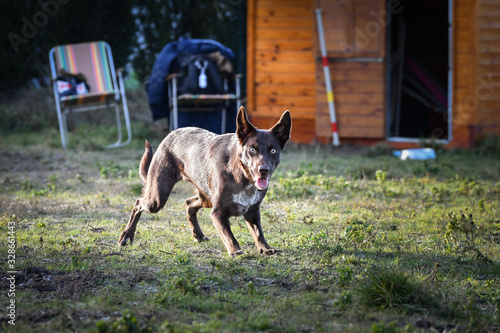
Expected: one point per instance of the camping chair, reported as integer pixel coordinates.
(200, 102)
(95, 61)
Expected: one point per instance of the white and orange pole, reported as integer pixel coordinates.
(328, 82)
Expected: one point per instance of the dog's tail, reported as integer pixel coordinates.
(146, 161)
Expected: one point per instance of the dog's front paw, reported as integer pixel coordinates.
(126, 235)
(201, 239)
(237, 253)
(269, 252)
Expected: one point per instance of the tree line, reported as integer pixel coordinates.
(135, 29)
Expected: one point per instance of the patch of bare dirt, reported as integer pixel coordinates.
(59, 283)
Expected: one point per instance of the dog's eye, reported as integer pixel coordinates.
(252, 150)
(273, 151)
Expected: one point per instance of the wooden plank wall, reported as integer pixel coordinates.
(476, 70)
(352, 31)
(353, 28)
(488, 67)
(281, 65)
(463, 59)
(359, 90)
(464, 51)
(284, 69)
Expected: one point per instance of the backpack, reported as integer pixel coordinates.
(71, 85)
(199, 75)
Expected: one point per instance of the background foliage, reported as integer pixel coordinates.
(136, 30)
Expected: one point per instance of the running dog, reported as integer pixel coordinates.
(231, 173)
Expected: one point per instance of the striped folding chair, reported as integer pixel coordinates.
(95, 61)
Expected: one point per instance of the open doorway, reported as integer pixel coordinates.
(419, 70)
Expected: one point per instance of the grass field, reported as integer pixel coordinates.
(370, 244)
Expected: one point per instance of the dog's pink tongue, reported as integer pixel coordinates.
(262, 183)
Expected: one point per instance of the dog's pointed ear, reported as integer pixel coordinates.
(283, 128)
(243, 126)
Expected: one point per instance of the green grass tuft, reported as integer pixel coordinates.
(388, 288)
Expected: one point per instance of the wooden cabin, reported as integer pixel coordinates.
(395, 65)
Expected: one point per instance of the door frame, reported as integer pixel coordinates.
(450, 85)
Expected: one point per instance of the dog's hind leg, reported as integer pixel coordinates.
(129, 231)
(155, 196)
(193, 205)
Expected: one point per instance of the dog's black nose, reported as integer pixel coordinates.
(264, 170)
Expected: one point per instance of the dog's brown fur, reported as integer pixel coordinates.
(231, 173)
